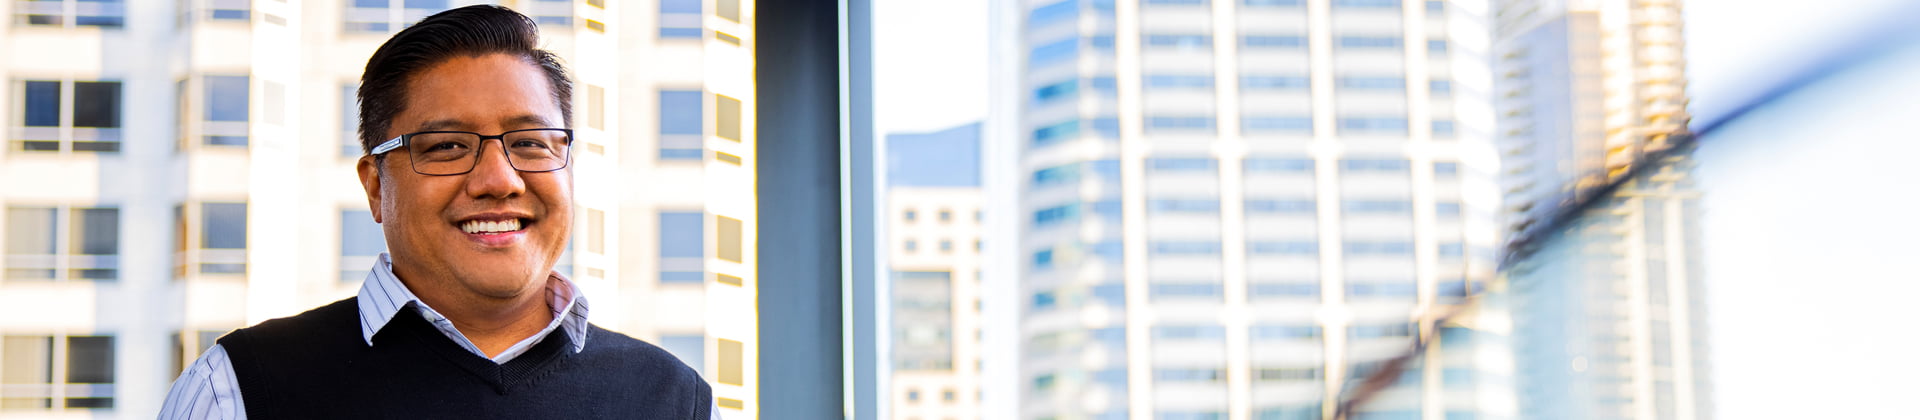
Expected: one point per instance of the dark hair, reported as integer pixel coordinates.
(469, 31)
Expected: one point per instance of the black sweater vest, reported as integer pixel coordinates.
(317, 365)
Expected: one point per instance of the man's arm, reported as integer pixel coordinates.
(207, 390)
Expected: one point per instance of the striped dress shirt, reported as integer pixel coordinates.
(209, 390)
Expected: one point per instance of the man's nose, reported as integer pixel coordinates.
(493, 175)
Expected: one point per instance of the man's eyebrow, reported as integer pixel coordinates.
(441, 124)
(526, 121)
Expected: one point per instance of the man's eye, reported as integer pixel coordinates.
(535, 144)
(446, 146)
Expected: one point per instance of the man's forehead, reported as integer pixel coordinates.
(512, 122)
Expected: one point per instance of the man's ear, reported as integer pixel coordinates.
(369, 168)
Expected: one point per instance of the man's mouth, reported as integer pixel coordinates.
(487, 227)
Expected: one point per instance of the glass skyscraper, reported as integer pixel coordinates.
(1235, 209)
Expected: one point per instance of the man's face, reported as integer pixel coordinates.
(429, 220)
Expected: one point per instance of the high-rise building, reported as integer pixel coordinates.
(1608, 304)
(1232, 209)
(933, 219)
(174, 170)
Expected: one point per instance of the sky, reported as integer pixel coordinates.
(1813, 326)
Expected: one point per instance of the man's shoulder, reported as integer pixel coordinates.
(328, 322)
(632, 353)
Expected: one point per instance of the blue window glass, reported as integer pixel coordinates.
(226, 98)
(1295, 248)
(1453, 250)
(1188, 375)
(1110, 250)
(1107, 128)
(1437, 47)
(1184, 291)
(1372, 83)
(1379, 248)
(1179, 124)
(1457, 377)
(1105, 168)
(1305, 290)
(1278, 124)
(1176, 2)
(679, 19)
(1366, 4)
(1446, 209)
(1112, 337)
(1189, 332)
(1180, 164)
(1280, 206)
(1181, 42)
(1172, 81)
(1443, 128)
(1373, 125)
(1273, 82)
(1056, 215)
(1114, 295)
(1272, 3)
(1105, 209)
(1374, 165)
(1052, 52)
(1057, 175)
(360, 236)
(1440, 87)
(1279, 165)
(1436, 6)
(1284, 332)
(1367, 42)
(1381, 331)
(1101, 43)
(680, 6)
(1183, 206)
(1105, 86)
(682, 154)
(1064, 11)
(1383, 290)
(1273, 41)
(1114, 379)
(1377, 206)
(1185, 248)
(1043, 259)
(680, 112)
(1056, 132)
(1043, 300)
(42, 103)
(1056, 91)
(223, 225)
(682, 247)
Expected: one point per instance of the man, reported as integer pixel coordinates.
(464, 122)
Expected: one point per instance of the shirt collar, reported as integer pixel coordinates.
(382, 296)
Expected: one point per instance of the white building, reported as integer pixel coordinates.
(934, 220)
(1608, 305)
(174, 170)
(1234, 208)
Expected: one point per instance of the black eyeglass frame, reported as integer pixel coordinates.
(404, 141)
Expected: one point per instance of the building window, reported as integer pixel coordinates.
(1193, 124)
(27, 366)
(361, 242)
(103, 13)
(231, 10)
(1298, 207)
(1274, 3)
(911, 246)
(1366, 4)
(226, 111)
(680, 19)
(349, 121)
(223, 238)
(731, 237)
(732, 371)
(1304, 248)
(727, 9)
(1179, 42)
(1273, 41)
(1373, 83)
(94, 120)
(1367, 42)
(946, 246)
(682, 247)
(681, 116)
(1252, 83)
(379, 16)
(1180, 164)
(1293, 165)
(1373, 125)
(1374, 165)
(1377, 207)
(1272, 125)
(548, 12)
(39, 249)
(1178, 81)
(726, 117)
(691, 349)
(909, 216)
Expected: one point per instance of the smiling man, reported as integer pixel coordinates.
(465, 123)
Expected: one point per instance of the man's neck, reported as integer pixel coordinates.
(492, 324)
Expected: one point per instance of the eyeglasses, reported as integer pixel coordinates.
(456, 152)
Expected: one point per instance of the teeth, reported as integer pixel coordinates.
(476, 226)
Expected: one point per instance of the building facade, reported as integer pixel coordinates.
(934, 215)
(174, 170)
(1233, 209)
